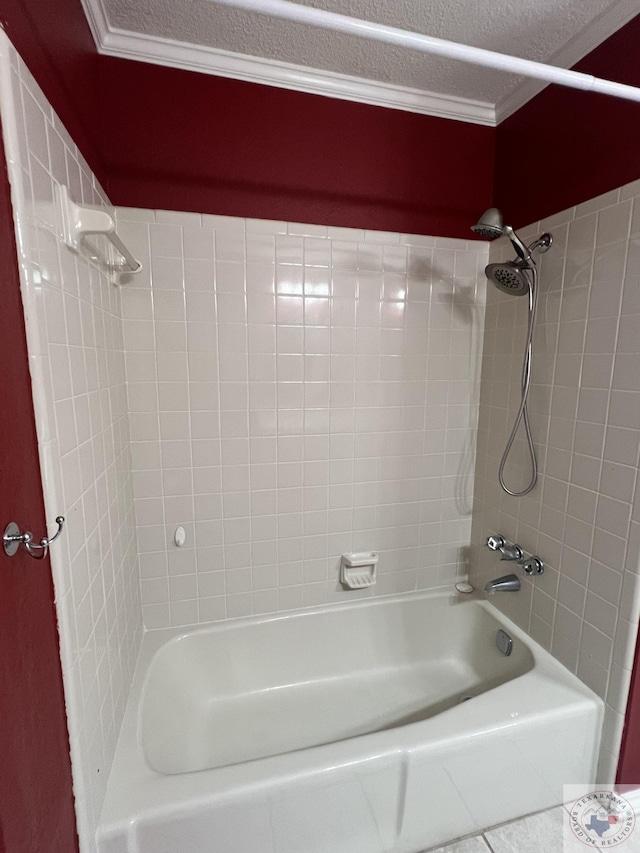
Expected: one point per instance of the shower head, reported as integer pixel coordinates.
(509, 277)
(489, 225)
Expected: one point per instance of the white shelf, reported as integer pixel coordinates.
(79, 222)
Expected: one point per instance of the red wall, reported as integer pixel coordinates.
(54, 39)
(629, 763)
(160, 137)
(566, 146)
(189, 141)
(36, 801)
(163, 138)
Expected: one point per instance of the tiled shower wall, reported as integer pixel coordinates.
(583, 517)
(74, 335)
(297, 392)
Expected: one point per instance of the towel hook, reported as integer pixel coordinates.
(13, 539)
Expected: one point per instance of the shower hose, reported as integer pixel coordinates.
(523, 415)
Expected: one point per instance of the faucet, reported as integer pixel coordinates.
(508, 550)
(511, 552)
(507, 583)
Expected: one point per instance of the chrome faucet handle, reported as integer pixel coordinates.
(511, 553)
(533, 566)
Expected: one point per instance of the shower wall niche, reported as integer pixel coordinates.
(297, 392)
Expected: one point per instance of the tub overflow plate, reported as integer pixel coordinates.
(504, 642)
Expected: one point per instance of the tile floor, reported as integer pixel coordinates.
(531, 834)
(544, 831)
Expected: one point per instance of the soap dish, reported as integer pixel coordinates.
(358, 570)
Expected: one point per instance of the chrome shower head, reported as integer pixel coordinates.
(489, 225)
(509, 277)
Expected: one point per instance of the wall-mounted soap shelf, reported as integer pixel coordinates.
(80, 221)
(358, 570)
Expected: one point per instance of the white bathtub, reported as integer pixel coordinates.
(344, 729)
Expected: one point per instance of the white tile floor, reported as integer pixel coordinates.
(532, 834)
(544, 831)
(469, 845)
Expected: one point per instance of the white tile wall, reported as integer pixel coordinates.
(297, 392)
(583, 518)
(74, 332)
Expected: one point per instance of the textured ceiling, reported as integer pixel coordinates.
(534, 29)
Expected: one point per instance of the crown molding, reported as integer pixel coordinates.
(125, 44)
(284, 75)
(605, 25)
(96, 16)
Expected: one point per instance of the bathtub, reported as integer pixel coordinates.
(389, 726)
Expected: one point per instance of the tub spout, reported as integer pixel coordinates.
(507, 583)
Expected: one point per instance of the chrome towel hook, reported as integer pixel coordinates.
(13, 539)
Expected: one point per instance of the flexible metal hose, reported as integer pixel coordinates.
(523, 414)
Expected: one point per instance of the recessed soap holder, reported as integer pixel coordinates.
(358, 570)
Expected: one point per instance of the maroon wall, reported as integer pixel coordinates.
(566, 146)
(629, 762)
(189, 141)
(36, 802)
(54, 40)
(160, 137)
(163, 138)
